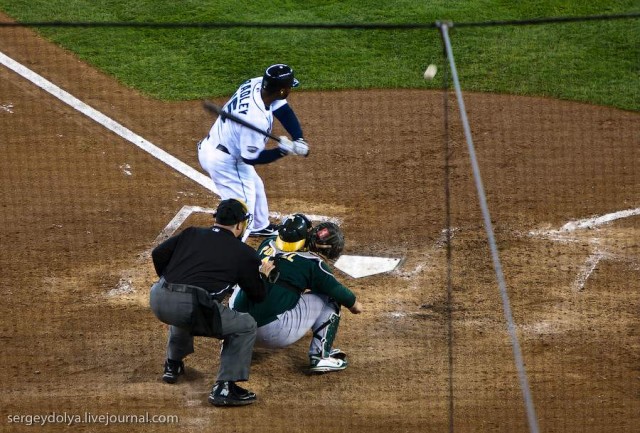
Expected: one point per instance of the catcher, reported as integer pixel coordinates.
(305, 294)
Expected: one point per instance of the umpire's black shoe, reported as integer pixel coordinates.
(230, 394)
(172, 369)
(270, 230)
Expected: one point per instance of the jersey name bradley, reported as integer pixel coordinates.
(237, 104)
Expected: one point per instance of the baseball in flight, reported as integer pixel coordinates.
(430, 72)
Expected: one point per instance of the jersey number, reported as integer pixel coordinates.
(230, 106)
(269, 251)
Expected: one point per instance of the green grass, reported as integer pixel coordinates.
(596, 61)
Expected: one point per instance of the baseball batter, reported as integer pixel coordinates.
(305, 294)
(230, 151)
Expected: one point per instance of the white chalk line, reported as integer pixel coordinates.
(186, 211)
(564, 235)
(108, 123)
(177, 221)
(587, 270)
(312, 217)
(597, 221)
(587, 223)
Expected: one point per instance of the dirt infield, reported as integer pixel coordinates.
(81, 209)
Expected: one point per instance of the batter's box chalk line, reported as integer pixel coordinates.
(566, 234)
(354, 266)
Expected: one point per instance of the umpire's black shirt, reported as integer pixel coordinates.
(210, 258)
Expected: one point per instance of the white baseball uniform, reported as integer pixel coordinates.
(221, 153)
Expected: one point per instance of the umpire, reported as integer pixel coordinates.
(198, 268)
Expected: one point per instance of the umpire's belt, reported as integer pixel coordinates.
(182, 288)
(222, 148)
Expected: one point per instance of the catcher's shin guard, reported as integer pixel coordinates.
(326, 333)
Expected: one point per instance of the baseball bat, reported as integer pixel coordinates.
(213, 108)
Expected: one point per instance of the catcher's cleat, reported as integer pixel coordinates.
(270, 230)
(326, 365)
(172, 369)
(337, 354)
(230, 394)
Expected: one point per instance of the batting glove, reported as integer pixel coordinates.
(302, 147)
(298, 147)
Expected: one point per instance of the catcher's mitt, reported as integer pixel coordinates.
(326, 239)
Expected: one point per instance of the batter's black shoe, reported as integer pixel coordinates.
(270, 230)
(230, 394)
(172, 369)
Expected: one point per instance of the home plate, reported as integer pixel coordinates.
(363, 266)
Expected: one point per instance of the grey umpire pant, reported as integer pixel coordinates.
(238, 333)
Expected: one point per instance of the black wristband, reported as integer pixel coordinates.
(266, 156)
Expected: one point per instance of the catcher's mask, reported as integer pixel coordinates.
(277, 77)
(327, 239)
(292, 234)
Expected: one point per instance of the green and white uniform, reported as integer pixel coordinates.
(305, 296)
